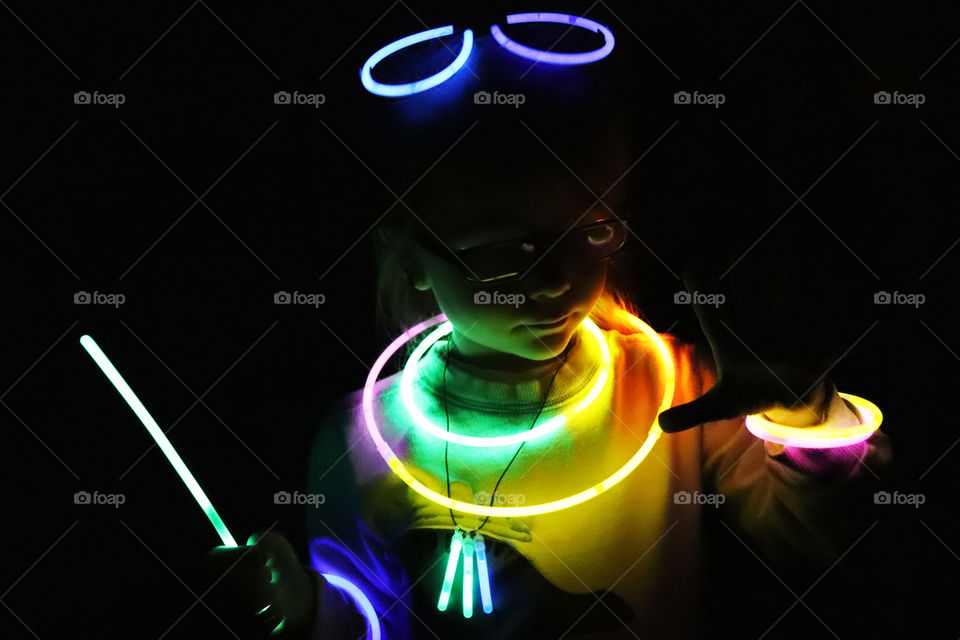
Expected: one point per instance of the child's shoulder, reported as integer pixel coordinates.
(627, 331)
(345, 414)
(637, 340)
(689, 358)
(350, 405)
(341, 438)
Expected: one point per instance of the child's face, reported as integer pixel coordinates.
(506, 334)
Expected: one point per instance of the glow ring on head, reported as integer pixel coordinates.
(549, 56)
(548, 426)
(818, 437)
(396, 90)
(398, 468)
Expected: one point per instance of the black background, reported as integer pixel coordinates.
(104, 199)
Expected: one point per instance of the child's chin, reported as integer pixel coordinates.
(547, 346)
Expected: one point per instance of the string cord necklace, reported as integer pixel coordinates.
(471, 542)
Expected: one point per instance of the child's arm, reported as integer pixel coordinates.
(768, 353)
(342, 542)
(786, 499)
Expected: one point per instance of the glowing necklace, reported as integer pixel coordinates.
(557, 421)
(398, 467)
(470, 547)
(471, 542)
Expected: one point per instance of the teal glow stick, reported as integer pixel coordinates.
(363, 603)
(468, 577)
(452, 562)
(161, 439)
(483, 576)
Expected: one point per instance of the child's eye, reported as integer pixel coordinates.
(601, 235)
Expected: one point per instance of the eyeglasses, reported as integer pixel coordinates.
(511, 260)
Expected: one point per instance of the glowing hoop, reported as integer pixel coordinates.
(819, 437)
(549, 56)
(360, 600)
(396, 90)
(548, 426)
(467, 507)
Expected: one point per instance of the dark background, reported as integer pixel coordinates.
(104, 199)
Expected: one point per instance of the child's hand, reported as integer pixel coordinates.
(262, 589)
(769, 345)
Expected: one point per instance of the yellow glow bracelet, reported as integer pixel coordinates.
(818, 436)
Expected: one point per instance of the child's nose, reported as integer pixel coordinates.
(551, 286)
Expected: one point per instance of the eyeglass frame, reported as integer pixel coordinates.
(443, 251)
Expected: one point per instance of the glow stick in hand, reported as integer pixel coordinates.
(114, 376)
(363, 603)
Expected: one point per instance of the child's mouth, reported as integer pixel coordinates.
(546, 326)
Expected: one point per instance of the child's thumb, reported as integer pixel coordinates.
(716, 404)
(277, 549)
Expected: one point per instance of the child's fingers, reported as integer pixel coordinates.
(279, 554)
(709, 299)
(224, 559)
(716, 404)
(295, 587)
(262, 587)
(241, 578)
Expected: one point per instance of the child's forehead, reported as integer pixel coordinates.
(474, 195)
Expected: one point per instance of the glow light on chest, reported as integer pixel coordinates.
(408, 392)
(667, 370)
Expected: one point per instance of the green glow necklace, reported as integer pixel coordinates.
(470, 544)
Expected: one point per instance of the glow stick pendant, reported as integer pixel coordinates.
(468, 577)
(452, 560)
(159, 436)
(469, 546)
(483, 577)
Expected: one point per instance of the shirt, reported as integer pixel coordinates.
(615, 566)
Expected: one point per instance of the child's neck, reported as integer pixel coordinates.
(484, 357)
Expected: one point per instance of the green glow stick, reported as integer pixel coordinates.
(483, 577)
(468, 577)
(127, 393)
(452, 562)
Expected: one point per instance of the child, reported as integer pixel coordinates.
(589, 570)
(509, 247)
